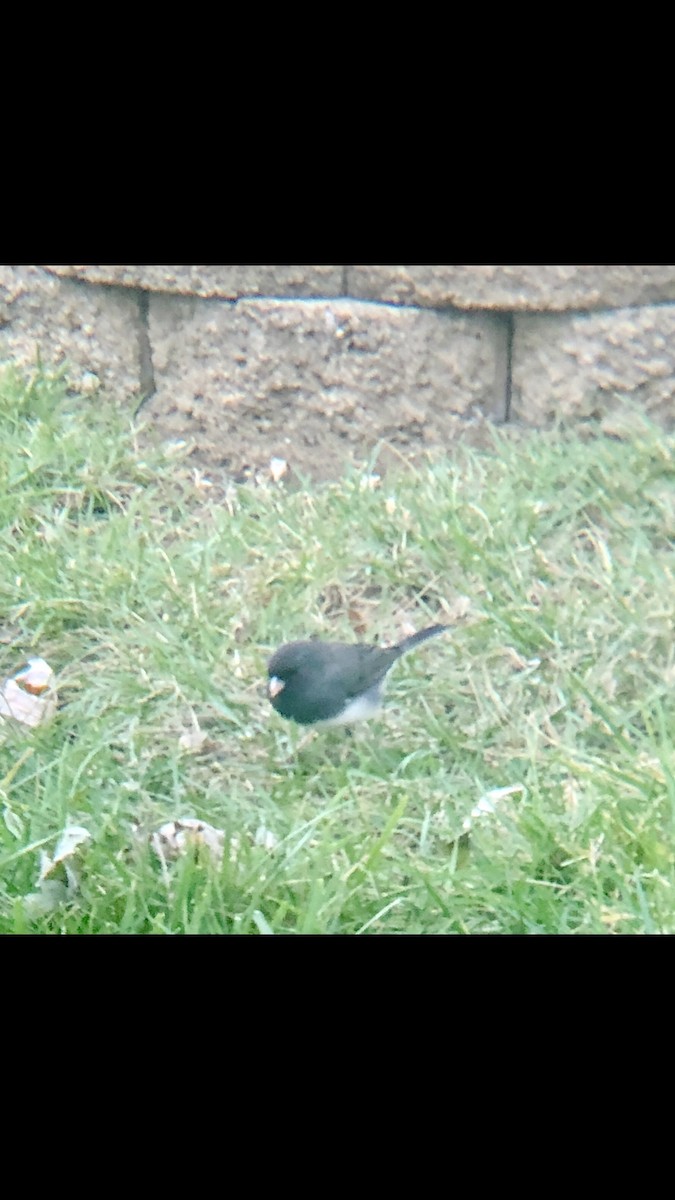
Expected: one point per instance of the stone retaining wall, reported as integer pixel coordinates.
(317, 365)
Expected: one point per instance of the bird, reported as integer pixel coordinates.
(334, 683)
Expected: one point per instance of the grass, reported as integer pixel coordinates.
(157, 599)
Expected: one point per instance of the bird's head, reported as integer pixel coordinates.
(284, 665)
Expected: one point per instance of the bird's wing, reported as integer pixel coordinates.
(368, 667)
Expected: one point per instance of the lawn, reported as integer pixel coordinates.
(521, 775)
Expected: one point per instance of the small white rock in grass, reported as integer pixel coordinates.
(278, 468)
(178, 837)
(265, 837)
(368, 483)
(29, 697)
(193, 739)
(89, 382)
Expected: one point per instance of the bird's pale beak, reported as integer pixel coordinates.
(275, 686)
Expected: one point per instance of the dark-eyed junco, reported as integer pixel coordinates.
(333, 683)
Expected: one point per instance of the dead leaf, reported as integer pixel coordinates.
(487, 805)
(571, 794)
(609, 916)
(201, 482)
(53, 892)
(459, 608)
(520, 663)
(36, 677)
(357, 620)
(178, 837)
(29, 697)
(72, 837)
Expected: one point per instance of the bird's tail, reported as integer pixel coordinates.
(421, 636)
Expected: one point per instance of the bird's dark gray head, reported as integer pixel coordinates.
(288, 664)
(289, 658)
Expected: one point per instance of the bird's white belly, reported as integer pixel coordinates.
(358, 709)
